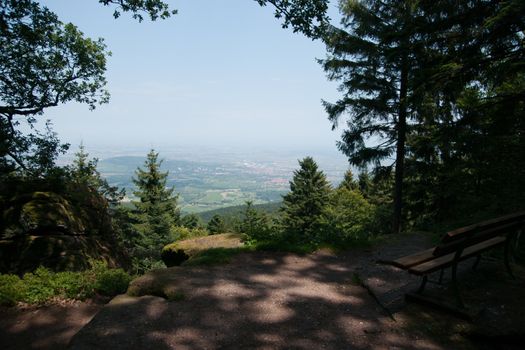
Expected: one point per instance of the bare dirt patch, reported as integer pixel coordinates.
(287, 301)
(45, 327)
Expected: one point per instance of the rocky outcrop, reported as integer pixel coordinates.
(57, 252)
(59, 231)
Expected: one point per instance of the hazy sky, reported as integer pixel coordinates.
(219, 73)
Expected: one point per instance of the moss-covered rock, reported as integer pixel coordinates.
(42, 213)
(59, 228)
(49, 211)
(58, 253)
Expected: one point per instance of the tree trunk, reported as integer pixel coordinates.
(400, 152)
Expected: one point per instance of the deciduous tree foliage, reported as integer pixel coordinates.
(305, 16)
(43, 62)
(153, 8)
(349, 216)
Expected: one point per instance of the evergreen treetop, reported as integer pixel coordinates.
(156, 210)
(216, 225)
(84, 171)
(151, 181)
(304, 205)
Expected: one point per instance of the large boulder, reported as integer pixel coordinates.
(61, 231)
(57, 252)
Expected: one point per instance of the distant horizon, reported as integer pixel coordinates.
(202, 153)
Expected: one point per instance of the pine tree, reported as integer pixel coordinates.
(84, 172)
(216, 225)
(304, 205)
(376, 58)
(156, 211)
(348, 181)
(254, 224)
(190, 221)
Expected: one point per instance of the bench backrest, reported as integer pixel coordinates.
(469, 235)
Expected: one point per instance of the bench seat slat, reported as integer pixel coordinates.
(447, 260)
(414, 259)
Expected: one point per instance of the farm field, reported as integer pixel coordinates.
(208, 185)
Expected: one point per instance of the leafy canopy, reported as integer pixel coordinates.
(43, 62)
(153, 8)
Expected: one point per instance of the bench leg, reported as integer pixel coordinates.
(478, 258)
(422, 286)
(455, 286)
(441, 276)
(506, 255)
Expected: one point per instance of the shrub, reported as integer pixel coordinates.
(172, 255)
(12, 290)
(141, 265)
(349, 217)
(111, 282)
(72, 285)
(181, 232)
(42, 285)
(39, 286)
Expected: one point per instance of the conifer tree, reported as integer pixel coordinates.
(254, 224)
(190, 221)
(304, 205)
(156, 211)
(84, 171)
(216, 225)
(376, 58)
(349, 182)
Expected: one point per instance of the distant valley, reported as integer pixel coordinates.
(208, 185)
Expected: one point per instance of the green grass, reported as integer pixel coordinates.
(286, 246)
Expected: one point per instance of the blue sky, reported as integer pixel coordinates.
(218, 74)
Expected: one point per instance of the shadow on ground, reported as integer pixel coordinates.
(287, 301)
(47, 327)
(262, 301)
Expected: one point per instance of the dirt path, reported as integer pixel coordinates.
(260, 301)
(285, 301)
(47, 327)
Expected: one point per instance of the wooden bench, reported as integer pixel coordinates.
(461, 244)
